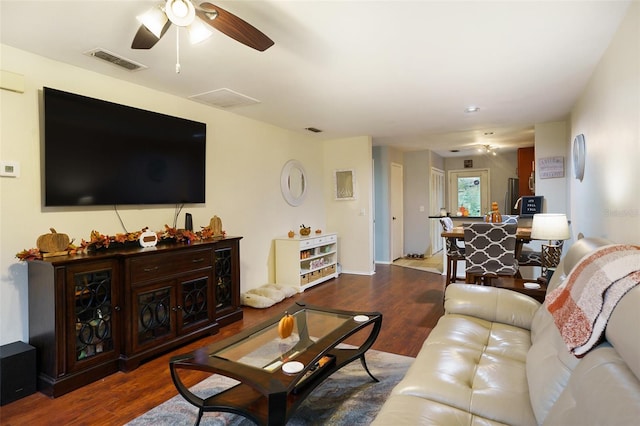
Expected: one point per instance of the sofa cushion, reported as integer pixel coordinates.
(622, 330)
(473, 365)
(549, 364)
(491, 304)
(602, 390)
(411, 410)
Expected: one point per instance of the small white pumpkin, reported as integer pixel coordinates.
(148, 239)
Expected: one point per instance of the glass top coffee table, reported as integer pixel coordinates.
(275, 375)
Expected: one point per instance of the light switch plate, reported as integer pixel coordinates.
(9, 169)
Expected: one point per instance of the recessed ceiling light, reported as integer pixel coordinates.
(313, 129)
(472, 108)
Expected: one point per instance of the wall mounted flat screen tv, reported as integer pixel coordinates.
(101, 153)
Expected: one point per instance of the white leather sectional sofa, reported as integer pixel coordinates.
(497, 358)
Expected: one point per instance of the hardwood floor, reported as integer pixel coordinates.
(410, 300)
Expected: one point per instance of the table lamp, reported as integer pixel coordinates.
(552, 227)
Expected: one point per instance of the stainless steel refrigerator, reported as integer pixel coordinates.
(513, 193)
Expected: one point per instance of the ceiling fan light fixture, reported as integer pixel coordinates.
(180, 12)
(211, 14)
(487, 149)
(198, 32)
(154, 20)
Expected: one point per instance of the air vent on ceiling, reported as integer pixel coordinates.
(224, 98)
(114, 59)
(313, 129)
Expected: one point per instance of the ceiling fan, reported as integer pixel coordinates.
(183, 13)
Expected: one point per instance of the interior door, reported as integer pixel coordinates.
(469, 188)
(397, 224)
(436, 201)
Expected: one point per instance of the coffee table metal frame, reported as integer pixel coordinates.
(268, 397)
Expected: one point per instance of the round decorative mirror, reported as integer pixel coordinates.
(293, 182)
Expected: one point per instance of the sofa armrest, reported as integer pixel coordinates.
(491, 304)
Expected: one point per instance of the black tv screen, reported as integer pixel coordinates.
(101, 153)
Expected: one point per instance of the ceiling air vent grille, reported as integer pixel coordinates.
(114, 59)
(224, 98)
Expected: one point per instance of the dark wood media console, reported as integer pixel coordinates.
(95, 313)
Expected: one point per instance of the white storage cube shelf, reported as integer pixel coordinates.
(303, 262)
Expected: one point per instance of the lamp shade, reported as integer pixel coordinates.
(198, 32)
(550, 226)
(154, 19)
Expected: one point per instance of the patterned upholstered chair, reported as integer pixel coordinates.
(490, 251)
(510, 218)
(454, 251)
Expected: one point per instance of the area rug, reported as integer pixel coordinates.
(429, 264)
(348, 397)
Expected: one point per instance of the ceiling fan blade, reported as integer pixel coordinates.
(145, 39)
(234, 27)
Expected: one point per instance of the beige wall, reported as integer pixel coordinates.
(551, 141)
(244, 161)
(607, 202)
(351, 219)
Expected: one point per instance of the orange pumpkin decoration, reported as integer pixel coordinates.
(53, 242)
(285, 326)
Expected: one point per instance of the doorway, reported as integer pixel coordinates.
(436, 202)
(469, 189)
(396, 200)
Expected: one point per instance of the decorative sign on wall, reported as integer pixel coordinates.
(530, 206)
(551, 167)
(468, 164)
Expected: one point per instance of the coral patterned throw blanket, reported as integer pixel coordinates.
(582, 304)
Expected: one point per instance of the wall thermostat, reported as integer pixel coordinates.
(9, 169)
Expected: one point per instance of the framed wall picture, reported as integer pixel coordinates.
(344, 183)
(468, 164)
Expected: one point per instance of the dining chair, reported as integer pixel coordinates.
(455, 252)
(510, 218)
(489, 251)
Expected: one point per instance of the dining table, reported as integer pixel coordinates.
(522, 234)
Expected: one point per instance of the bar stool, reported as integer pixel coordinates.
(454, 251)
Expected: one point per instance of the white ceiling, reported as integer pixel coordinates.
(400, 71)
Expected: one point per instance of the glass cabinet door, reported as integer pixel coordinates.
(224, 279)
(153, 308)
(196, 305)
(94, 310)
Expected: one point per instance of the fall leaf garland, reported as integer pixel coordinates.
(98, 240)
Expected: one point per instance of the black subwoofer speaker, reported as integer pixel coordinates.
(17, 371)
